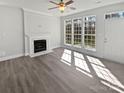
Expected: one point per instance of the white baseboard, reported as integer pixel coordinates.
(11, 57)
(26, 54)
(55, 47)
(20, 55)
(41, 53)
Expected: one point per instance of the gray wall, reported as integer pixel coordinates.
(11, 32)
(12, 29)
(100, 27)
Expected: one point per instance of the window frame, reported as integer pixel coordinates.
(82, 33)
(79, 18)
(65, 32)
(112, 17)
(91, 49)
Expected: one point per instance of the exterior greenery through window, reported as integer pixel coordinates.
(81, 33)
(68, 32)
(77, 27)
(90, 32)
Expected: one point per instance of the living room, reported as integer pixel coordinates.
(61, 46)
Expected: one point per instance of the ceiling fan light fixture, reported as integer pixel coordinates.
(62, 8)
(62, 5)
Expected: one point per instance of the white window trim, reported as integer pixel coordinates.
(65, 32)
(91, 49)
(82, 35)
(109, 13)
(73, 32)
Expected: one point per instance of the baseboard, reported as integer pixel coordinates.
(110, 60)
(55, 47)
(11, 57)
(26, 54)
(41, 53)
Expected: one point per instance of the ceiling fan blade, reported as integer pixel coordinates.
(52, 8)
(54, 2)
(73, 8)
(69, 2)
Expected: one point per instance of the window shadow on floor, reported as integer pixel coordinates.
(84, 63)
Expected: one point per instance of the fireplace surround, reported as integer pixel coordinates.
(39, 45)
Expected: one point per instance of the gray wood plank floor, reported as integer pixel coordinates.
(49, 74)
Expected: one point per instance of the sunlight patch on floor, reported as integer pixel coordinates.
(66, 57)
(79, 55)
(112, 87)
(95, 61)
(77, 60)
(81, 64)
(105, 74)
(89, 75)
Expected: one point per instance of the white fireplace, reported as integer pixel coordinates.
(39, 45)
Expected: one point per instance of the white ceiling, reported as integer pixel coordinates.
(43, 5)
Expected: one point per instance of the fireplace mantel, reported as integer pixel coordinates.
(31, 45)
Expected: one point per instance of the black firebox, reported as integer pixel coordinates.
(39, 45)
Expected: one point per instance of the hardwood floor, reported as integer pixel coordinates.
(62, 71)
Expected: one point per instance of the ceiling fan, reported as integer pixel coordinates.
(62, 5)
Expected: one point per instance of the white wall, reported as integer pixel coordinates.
(11, 32)
(114, 34)
(100, 28)
(15, 23)
(37, 24)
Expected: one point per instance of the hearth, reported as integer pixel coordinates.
(40, 45)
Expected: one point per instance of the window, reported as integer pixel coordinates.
(90, 32)
(81, 34)
(77, 30)
(68, 32)
(119, 14)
